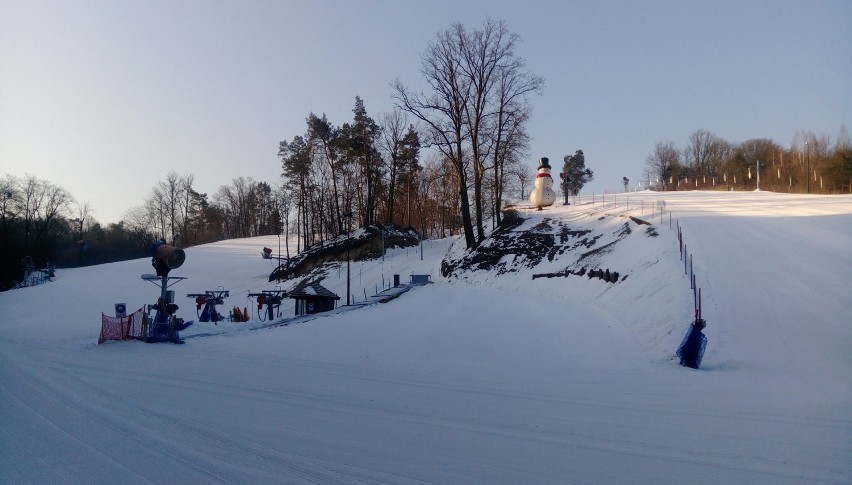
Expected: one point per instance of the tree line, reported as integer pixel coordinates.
(470, 123)
(443, 161)
(472, 119)
(42, 222)
(812, 164)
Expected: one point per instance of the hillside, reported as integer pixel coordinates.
(514, 366)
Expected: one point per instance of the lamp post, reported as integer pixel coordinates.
(348, 216)
(758, 174)
(808, 157)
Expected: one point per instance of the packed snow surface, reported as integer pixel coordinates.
(485, 377)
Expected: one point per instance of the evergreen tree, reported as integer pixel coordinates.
(358, 142)
(575, 174)
(409, 158)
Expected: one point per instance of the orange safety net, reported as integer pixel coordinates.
(123, 328)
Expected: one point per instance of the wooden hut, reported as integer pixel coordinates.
(312, 298)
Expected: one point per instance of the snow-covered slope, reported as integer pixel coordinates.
(488, 376)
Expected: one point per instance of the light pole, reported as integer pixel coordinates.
(348, 216)
(758, 174)
(808, 157)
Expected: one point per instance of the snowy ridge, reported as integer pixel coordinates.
(486, 376)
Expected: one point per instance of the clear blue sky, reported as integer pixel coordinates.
(105, 98)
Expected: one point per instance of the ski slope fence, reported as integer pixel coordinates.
(121, 328)
(657, 208)
(691, 349)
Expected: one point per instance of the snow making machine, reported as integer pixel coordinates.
(164, 325)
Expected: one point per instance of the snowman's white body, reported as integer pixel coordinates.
(542, 194)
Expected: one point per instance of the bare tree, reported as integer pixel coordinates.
(82, 217)
(477, 101)
(721, 152)
(482, 51)
(663, 162)
(511, 143)
(185, 209)
(497, 107)
(391, 142)
(751, 156)
(54, 204)
(8, 197)
(239, 202)
(169, 204)
(283, 197)
(699, 150)
(844, 142)
(29, 204)
(443, 110)
(524, 174)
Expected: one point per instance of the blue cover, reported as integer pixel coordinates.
(691, 349)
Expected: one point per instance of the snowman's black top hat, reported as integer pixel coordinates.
(543, 163)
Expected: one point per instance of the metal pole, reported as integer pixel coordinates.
(808, 156)
(758, 175)
(348, 216)
(699, 303)
(164, 282)
(348, 246)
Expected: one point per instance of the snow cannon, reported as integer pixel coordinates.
(166, 257)
(172, 256)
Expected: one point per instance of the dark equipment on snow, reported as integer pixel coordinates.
(164, 325)
(166, 258)
(691, 349)
(209, 299)
(272, 299)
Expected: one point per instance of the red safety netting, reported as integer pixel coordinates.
(113, 328)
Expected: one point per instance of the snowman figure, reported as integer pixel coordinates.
(543, 195)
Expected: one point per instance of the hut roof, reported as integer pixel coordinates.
(309, 290)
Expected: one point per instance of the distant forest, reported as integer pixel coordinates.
(443, 162)
(335, 177)
(42, 220)
(812, 164)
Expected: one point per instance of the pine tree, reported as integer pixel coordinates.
(575, 174)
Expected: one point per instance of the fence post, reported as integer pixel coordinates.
(691, 273)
